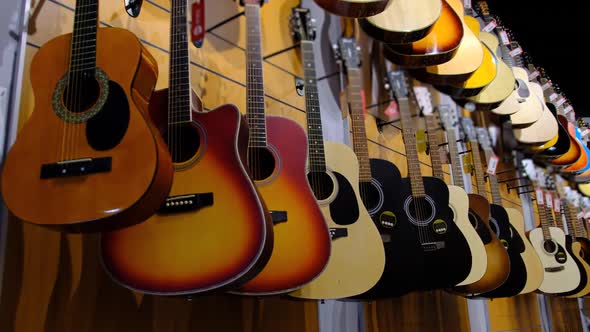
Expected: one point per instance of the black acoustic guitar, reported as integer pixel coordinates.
(425, 249)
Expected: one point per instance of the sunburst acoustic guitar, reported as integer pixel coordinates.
(353, 8)
(357, 259)
(213, 231)
(75, 162)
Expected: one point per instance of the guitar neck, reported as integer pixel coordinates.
(543, 218)
(359, 134)
(570, 217)
(434, 143)
(455, 160)
(409, 134)
(317, 160)
(83, 45)
(179, 88)
(479, 175)
(255, 110)
(495, 188)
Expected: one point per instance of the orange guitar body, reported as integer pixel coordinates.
(140, 173)
(574, 152)
(302, 242)
(581, 162)
(217, 245)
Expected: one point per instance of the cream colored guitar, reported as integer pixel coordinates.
(357, 258)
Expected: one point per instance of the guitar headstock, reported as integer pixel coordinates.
(302, 25)
(469, 129)
(349, 52)
(398, 84)
(424, 100)
(448, 116)
(484, 138)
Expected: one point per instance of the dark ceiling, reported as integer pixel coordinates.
(555, 38)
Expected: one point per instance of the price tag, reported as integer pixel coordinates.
(490, 26)
(539, 194)
(515, 52)
(585, 132)
(392, 111)
(534, 75)
(553, 96)
(467, 4)
(557, 205)
(569, 108)
(198, 22)
(549, 199)
(492, 165)
(587, 215)
(504, 37)
(546, 85)
(560, 102)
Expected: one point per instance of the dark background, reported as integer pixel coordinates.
(554, 35)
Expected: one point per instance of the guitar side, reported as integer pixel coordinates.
(139, 257)
(357, 260)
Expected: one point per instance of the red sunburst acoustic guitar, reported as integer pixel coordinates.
(214, 231)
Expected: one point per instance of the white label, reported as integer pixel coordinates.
(585, 132)
(569, 108)
(504, 37)
(515, 52)
(560, 102)
(553, 96)
(557, 205)
(549, 199)
(467, 4)
(587, 215)
(490, 26)
(580, 214)
(493, 164)
(534, 75)
(546, 85)
(539, 194)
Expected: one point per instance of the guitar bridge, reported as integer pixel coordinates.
(338, 232)
(184, 203)
(433, 246)
(76, 167)
(554, 269)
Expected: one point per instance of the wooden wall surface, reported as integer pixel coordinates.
(54, 282)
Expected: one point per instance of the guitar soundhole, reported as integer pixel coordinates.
(549, 246)
(372, 196)
(81, 92)
(420, 210)
(183, 141)
(321, 184)
(261, 162)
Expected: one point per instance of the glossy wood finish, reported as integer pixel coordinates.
(353, 8)
(543, 130)
(357, 260)
(528, 115)
(301, 244)
(439, 46)
(139, 257)
(403, 21)
(574, 152)
(96, 201)
(575, 250)
(582, 164)
(558, 146)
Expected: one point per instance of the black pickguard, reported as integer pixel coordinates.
(515, 247)
(106, 129)
(408, 266)
(583, 275)
(344, 209)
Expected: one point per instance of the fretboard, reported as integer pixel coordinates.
(455, 160)
(433, 142)
(409, 134)
(179, 89)
(579, 225)
(544, 219)
(496, 196)
(83, 45)
(254, 78)
(570, 216)
(315, 137)
(479, 175)
(359, 135)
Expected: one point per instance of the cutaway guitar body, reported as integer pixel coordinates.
(357, 259)
(186, 248)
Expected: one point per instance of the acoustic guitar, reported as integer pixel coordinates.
(425, 242)
(577, 217)
(561, 274)
(560, 147)
(583, 163)
(357, 259)
(90, 133)
(573, 158)
(178, 250)
(439, 46)
(403, 21)
(277, 153)
(458, 199)
(573, 246)
(352, 8)
(498, 260)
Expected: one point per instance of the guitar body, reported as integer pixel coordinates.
(410, 249)
(498, 267)
(573, 156)
(540, 132)
(439, 46)
(530, 99)
(357, 259)
(176, 251)
(354, 8)
(561, 274)
(459, 204)
(574, 248)
(121, 194)
(583, 162)
(403, 21)
(561, 146)
(302, 242)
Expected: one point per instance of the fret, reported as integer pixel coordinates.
(568, 212)
(479, 176)
(455, 161)
(544, 218)
(359, 135)
(408, 132)
(431, 128)
(496, 196)
(83, 43)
